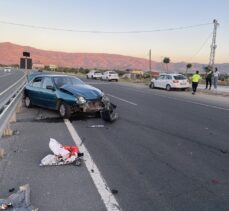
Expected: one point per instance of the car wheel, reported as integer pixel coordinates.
(168, 87)
(87, 77)
(151, 86)
(116, 80)
(64, 110)
(28, 103)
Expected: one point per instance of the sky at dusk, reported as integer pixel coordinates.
(83, 17)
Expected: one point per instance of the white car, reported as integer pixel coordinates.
(110, 76)
(170, 81)
(94, 74)
(7, 69)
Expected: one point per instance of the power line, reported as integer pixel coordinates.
(105, 32)
(201, 47)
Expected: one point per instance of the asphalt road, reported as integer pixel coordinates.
(8, 83)
(167, 151)
(9, 78)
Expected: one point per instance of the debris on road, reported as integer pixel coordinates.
(215, 181)
(16, 132)
(11, 190)
(108, 114)
(114, 191)
(62, 155)
(2, 153)
(224, 151)
(19, 201)
(97, 126)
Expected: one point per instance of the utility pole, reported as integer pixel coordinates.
(213, 45)
(150, 73)
(150, 61)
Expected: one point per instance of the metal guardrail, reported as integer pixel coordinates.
(12, 96)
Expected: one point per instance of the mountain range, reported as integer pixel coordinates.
(10, 53)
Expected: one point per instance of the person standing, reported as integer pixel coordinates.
(209, 78)
(195, 80)
(215, 78)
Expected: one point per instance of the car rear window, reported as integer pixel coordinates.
(179, 77)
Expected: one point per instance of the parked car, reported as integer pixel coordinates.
(66, 94)
(94, 74)
(110, 76)
(7, 69)
(170, 81)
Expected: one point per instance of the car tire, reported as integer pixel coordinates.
(87, 77)
(28, 103)
(151, 86)
(64, 110)
(168, 87)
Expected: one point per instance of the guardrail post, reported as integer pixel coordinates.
(8, 131)
(2, 153)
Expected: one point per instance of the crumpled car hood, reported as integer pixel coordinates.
(87, 91)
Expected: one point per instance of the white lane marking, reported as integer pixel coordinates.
(97, 83)
(127, 101)
(2, 76)
(108, 198)
(12, 86)
(196, 103)
(184, 101)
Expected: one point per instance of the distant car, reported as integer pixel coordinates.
(7, 69)
(94, 74)
(110, 76)
(170, 81)
(66, 94)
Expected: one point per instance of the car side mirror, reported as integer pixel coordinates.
(50, 87)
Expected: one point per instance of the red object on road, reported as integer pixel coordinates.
(72, 149)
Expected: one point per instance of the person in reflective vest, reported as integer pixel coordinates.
(195, 80)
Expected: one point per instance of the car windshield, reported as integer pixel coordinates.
(180, 77)
(60, 81)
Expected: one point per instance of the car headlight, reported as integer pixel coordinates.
(81, 100)
(105, 99)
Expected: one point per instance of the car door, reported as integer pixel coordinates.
(167, 80)
(48, 93)
(33, 90)
(158, 81)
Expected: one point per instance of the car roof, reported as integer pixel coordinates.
(171, 74)
(33, 75)
(54, 75)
